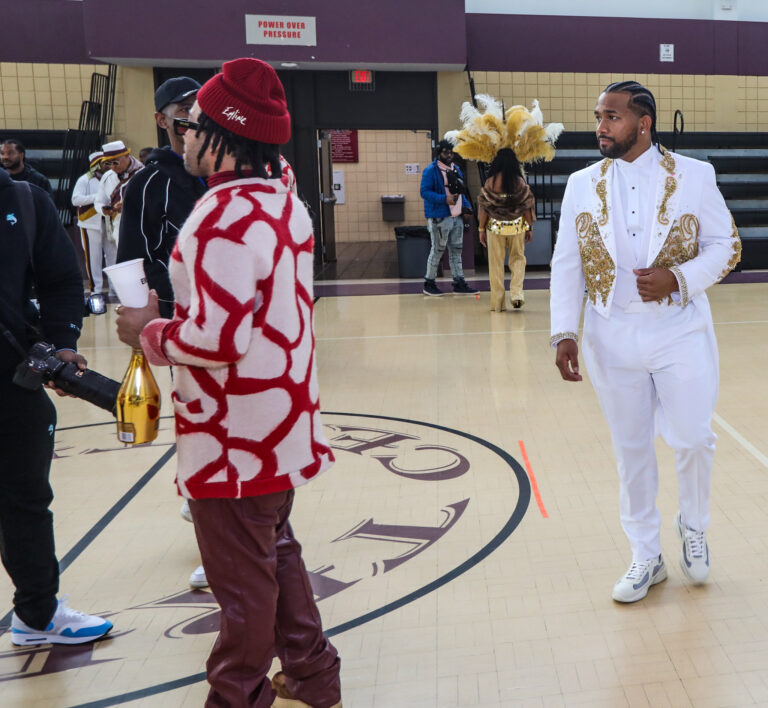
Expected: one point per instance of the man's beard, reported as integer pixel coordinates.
(8, 165)
(616, 150)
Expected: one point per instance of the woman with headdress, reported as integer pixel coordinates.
(506, 212)
(506, 140)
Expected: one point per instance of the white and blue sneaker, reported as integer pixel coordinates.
(68, 626)
(694, 556)
(634, 585)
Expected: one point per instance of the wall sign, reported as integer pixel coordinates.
(666, 52)
(362, 80)
(411, 168)
(280, 29)
(344, 146)
(338, 187)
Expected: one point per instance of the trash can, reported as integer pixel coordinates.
(413, 244)
(392, 207)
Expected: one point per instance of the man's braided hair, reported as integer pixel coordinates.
(641, 102)
(248, 154)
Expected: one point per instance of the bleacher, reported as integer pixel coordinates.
(740, 161)
(44, 151)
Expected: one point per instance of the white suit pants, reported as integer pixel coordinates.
(95, 247)
(655, 370)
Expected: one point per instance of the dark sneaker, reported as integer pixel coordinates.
(431, 289)
(460, 287)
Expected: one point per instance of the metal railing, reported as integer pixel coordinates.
(95, 123)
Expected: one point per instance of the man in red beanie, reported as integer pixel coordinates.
(246, 400)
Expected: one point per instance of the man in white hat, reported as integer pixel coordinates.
(120, 166)
(96, 247)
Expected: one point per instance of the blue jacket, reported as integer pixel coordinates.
(433, 193)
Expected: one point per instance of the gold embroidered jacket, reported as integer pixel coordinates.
(693, 235)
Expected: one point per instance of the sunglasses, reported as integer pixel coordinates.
(182, 125)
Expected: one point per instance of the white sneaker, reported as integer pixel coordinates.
(185, 511)
(197, 579)
(633, 586)
(67, 626)
(694, 557)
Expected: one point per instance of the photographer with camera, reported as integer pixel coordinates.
(442, 189)
(36, 251)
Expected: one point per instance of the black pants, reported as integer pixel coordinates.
(27, 424)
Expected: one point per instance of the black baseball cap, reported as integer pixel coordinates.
(174, 90)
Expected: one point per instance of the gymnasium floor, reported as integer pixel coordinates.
(463, 547)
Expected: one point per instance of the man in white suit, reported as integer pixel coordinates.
(646, 231)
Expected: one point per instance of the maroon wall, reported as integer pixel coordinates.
(349, 31)
(43, 31)
(614, 45)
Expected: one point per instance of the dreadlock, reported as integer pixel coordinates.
(250, 154)
(641, 102)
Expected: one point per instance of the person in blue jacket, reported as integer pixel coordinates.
(442, 187)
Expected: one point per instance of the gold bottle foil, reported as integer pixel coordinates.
(138, 403)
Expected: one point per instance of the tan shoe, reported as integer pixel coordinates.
(284, 698)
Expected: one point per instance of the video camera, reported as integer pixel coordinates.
(455, 182)
(42, 365)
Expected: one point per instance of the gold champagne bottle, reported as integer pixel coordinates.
(138, 403)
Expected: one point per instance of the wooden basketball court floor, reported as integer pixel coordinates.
(463, 547)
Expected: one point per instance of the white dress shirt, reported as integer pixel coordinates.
(634, 194)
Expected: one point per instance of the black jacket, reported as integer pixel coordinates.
(156, 204)
(54, 271)
(31, 175)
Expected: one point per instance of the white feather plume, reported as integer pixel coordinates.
(490, 105)
(552, 131)
(452, 136)
(536, 115)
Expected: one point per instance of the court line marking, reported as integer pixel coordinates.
(431, 334)
(512, 523)
(472, 334)
(532, 477)
(739, 438)
(90, 536)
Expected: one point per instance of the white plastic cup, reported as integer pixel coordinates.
(129, 282)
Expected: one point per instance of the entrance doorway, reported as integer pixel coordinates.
(375, 177)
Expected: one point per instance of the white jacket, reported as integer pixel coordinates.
(693, 235)
(84, 194)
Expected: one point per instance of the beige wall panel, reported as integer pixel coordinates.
(452, 91)
(709, 103)
(135, 109)
(31, 89)
(381, 170)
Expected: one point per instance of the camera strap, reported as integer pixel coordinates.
(28, 217)
(12, 340)
(29, 226)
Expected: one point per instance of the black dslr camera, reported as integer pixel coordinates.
(455, 182)
(42, 365)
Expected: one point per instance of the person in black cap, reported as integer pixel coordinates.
(160, 197)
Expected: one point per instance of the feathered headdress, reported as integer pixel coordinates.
(487, 131)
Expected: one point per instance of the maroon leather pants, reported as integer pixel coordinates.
(254, 568)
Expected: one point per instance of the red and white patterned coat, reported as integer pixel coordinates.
(245, 387)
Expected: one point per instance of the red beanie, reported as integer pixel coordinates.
(248, 99)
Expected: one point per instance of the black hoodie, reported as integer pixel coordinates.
(54, 271)
(156, 204)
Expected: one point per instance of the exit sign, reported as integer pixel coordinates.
(361, 80)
